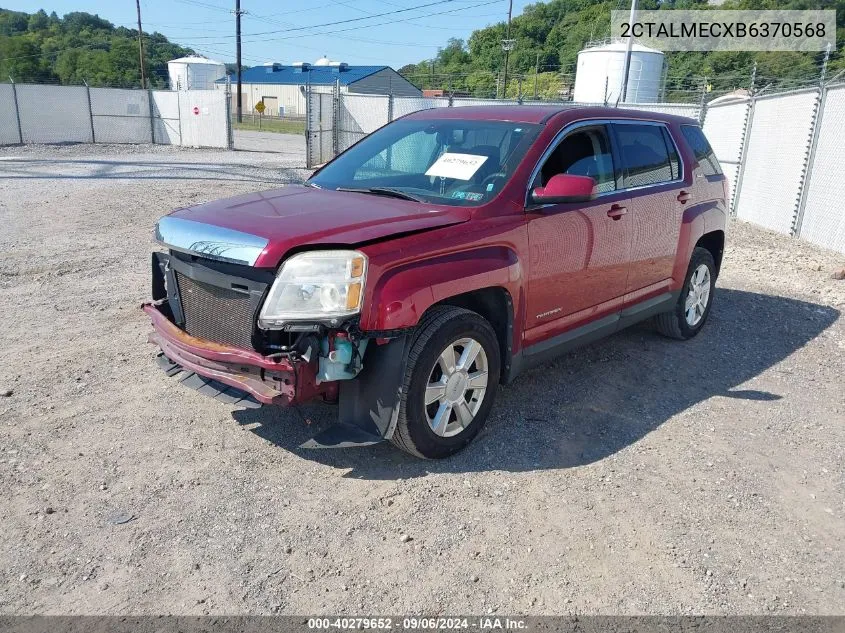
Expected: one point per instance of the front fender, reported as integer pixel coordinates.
(401, 295)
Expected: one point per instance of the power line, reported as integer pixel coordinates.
(365, 26)
(204, 5)
(348, 20)
(367, 40)
(408, 20)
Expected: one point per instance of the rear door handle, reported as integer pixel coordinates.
(683, 197)
(616, 211)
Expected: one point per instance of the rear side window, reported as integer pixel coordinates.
(702, 150)
(645, 155)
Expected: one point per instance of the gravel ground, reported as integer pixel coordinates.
(637, 475)
(291, 145)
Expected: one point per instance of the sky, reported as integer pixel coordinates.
(276, 30)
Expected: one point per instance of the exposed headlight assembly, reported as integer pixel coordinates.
(317, 286)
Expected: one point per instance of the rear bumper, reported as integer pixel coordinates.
(269, 380)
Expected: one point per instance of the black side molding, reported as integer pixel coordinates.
(547, 350)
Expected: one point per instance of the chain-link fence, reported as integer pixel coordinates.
(780, 152)
(774, 162)
(724, 126)
(43, 113)
(319, 128)
(782, 156)
(10, 124)
(338, 120)
(822, 219)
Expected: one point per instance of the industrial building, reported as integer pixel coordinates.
(282, 87)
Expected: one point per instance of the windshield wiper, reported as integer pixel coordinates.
(383, 191)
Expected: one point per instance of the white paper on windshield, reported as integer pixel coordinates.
(459, 166)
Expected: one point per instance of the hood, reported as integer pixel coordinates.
(259, 228)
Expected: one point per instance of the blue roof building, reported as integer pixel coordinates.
(282, 87)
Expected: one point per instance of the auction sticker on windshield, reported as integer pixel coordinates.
(458, 166)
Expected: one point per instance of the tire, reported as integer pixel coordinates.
(420, 428)
(676, 324)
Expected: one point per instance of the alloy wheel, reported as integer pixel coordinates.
(698, 295)
(456, 387)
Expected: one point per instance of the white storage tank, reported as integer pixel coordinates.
(194, 73)
(598, 76)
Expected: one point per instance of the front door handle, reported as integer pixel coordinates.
(683, 197)
(616, 211)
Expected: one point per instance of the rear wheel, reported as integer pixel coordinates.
(693, 306)
(449, 385)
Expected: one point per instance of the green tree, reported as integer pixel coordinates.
(79, 47)
(549, 36)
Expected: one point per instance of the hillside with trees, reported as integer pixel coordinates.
(79, 47)
(548, 36)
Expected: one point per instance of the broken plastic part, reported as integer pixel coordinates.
(338, 358)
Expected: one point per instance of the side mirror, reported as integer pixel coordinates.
(565, 188)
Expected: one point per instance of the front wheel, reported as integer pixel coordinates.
(693, 307)
(449, 385)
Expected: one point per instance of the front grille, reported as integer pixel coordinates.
(216, 314)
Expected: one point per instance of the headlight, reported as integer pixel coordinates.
(317, 285)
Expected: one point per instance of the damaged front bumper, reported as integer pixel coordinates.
(368, 404)
(270, 380)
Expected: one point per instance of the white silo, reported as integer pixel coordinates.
(598, 76)
(194, 73)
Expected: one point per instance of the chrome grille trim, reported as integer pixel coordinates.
(210, 241)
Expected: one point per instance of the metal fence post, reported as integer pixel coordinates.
(152, 117)
(230, 133)
(702, 104)
(90, 111)
(230, 128)
(815, 129)
(179, 114)
(336, 118)
(743, 147)
(17, 109)
(317, 135)
(310, 133)
(806, 174)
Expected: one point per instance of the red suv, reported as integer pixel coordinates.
(437, 257)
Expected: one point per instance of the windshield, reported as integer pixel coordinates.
(453, 162)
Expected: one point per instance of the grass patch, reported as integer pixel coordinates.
(280, 126)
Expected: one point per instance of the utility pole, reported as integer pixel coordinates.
(238, 14)
(141, 46)
(507, 45)
(627, 67)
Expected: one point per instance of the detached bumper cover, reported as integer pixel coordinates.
(369, 404)
(268, 380)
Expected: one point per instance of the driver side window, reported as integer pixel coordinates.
(584, 152)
